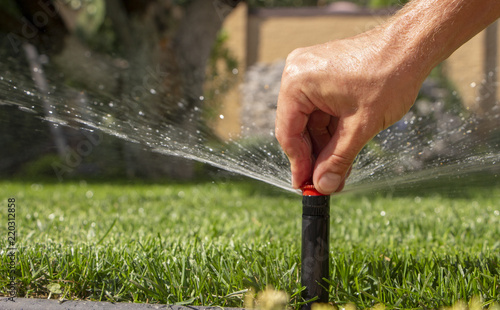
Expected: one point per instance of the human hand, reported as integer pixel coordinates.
(335, 97)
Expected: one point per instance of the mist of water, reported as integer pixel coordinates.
(420, 147)
(131, 121)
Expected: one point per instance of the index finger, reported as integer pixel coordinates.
(292, 115)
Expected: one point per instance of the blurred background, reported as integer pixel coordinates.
(219, 60)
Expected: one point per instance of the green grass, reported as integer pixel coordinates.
(206, 243)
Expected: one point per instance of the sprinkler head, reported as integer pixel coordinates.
(315, 245)
(308, 189)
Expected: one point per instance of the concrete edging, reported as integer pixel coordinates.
(53, 304)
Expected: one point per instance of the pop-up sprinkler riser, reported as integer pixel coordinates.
(315, 245)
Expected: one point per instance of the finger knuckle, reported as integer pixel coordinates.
(340, 162)
(294, 63)
(290, 70)
(294, 54)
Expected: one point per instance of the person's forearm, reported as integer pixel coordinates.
(425, 32)
(336, 96)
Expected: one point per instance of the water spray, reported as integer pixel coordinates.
(315, 245)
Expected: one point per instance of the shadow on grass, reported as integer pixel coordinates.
(460, 186)
(247, 185)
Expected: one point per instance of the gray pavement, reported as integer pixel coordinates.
(51, 304)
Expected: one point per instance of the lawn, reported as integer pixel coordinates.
(207, 243)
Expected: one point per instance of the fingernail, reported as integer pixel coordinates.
(329, 182)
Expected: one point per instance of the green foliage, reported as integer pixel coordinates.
(91, 19)
(94, 28)
(10, 7)
(385, 3)
(41, 167)
(222, 73)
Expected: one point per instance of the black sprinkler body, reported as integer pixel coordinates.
(315, 245)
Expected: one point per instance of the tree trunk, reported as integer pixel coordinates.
(164, 50)
(193, 43)
(42, 25)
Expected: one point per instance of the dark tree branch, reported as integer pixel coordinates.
(47, 28)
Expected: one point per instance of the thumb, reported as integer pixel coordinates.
(335, 160)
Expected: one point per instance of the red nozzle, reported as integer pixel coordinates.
(308, 189)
